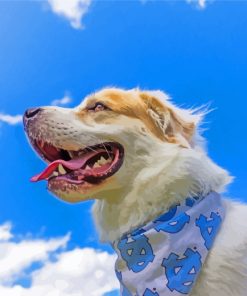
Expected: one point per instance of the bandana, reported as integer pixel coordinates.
(165, 256)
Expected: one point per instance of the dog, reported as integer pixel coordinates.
(142, 159)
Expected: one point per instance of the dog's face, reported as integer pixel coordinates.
(100, 146)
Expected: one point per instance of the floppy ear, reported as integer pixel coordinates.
(175, 125)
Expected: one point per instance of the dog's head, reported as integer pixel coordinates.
(109, 138)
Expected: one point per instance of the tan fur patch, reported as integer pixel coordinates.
(160, 120)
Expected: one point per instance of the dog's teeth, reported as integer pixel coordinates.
(71, 154)
(42, 143)
(87, 167)
(61, 170)
(102, 160)
(55, 174)
(96, 165)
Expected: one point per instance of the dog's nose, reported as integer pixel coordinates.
(31, 112)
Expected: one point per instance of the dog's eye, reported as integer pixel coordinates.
(98, 107)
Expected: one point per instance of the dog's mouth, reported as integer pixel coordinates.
(92, 164)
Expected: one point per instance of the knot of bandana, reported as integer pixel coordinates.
(165, 256)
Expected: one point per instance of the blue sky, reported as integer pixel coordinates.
(194, 51)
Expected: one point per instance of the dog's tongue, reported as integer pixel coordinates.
(73, 164)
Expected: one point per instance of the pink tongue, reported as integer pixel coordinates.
(73, 164)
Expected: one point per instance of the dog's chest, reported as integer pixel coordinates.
(166, 256)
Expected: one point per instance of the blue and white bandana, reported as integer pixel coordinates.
(164, 257)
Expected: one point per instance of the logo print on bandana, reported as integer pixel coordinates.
(150, 293)
(136, 253)
(174, 225)
(182, 272)
(209, 228)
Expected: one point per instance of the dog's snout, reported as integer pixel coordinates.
(31, 112)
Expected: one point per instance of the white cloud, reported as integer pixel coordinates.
(77, 272)
(16, 256)
(200, 3)
(10, 119)
(5, 233)
(63, 101)
(73, 10)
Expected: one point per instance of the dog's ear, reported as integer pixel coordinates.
(174, 125)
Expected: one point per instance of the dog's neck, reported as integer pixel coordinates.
(154, 192)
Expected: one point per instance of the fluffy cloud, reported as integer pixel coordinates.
(75, 10)
(200, 3)
(10, 119)
(5, 233)
(72, 10)
(63, 101)
(77, 272)
(16, 256)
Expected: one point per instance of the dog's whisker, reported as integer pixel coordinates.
(106, 150)
(88, 147)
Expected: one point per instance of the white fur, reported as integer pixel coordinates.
(155, 174)
(167, 174)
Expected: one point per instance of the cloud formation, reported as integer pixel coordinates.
(75, 10)
(72, 10)
(77, 272)
(200, 3)
(60, 102)
(10, 119)
(5, 233)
